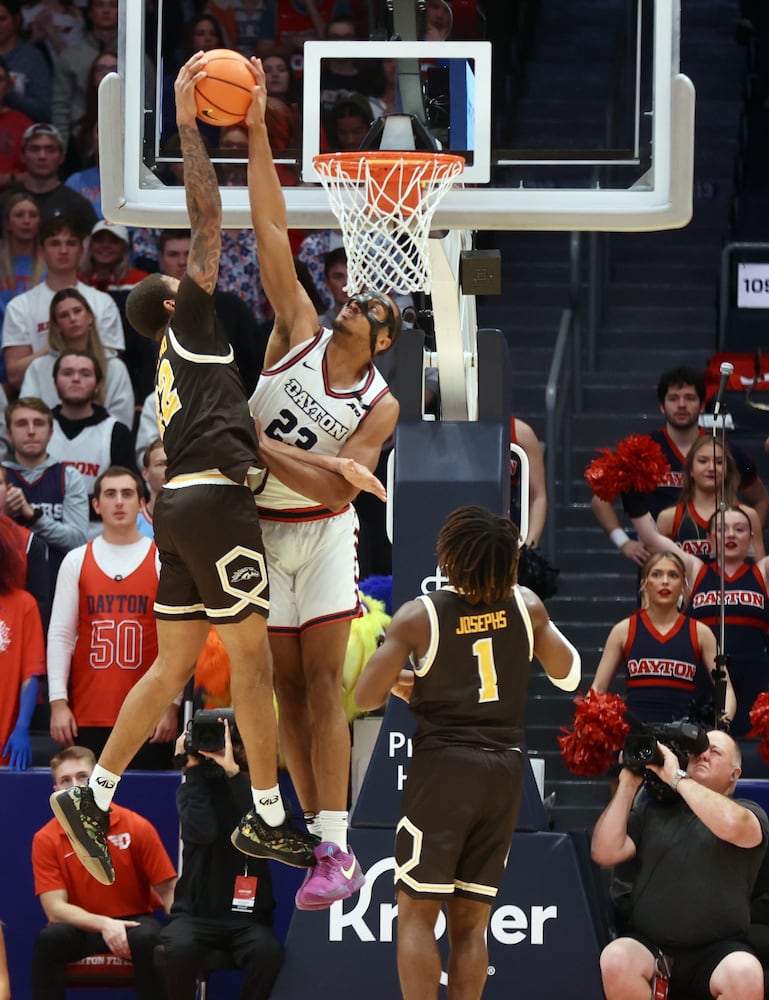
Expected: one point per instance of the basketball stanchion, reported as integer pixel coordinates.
(385, 202)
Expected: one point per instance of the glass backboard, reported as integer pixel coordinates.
(559, 133)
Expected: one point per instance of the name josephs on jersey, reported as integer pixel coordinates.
(481, 623)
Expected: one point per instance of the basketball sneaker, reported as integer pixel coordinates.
(284, 843)
(86, 826)
(336, 875)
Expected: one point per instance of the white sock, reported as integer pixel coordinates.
(333, 827)
(312, 822)
(269, 804)
(103, 784)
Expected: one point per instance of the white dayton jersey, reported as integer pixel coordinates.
(295, 403)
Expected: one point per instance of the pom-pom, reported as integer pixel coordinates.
(598, 732)
(637, 465)
(759, 721)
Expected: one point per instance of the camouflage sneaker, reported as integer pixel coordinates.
(86, 826)
(284, 843)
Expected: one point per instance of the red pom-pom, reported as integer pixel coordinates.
(637, 465)
(599, 730)
(759, 721)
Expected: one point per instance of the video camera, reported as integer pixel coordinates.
(205, 731)
(640, 749)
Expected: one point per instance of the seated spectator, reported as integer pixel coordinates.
(154, 465)
(72, 67)
(42, 152)
(312, 251)
(335, 273)
(85, 435)
(674, 910)
(43, 495)
(340, 77)
(22, 653)
(22, 264)
(440, 21)
(13, 125)
(83, 149)
(29, 69)
(280, 79)
(33, 552)
(102, 637)
(106, 263)
(72, 327)
(204, 916)
(201, 34)
(384, 95)
(85, 918)
(25, 329)
(347, 123)
(52, 25)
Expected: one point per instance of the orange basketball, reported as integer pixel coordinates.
(224, 94)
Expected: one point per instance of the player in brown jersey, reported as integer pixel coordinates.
(471, 644)
(206, 529)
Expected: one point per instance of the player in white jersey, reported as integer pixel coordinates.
(319, 392)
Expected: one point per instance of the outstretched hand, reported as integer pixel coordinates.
(184, 88)
(361, 478)
(255, 114)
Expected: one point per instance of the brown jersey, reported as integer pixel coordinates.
(470, 687)
(200, 400)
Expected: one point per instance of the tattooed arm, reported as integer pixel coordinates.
(204, 203)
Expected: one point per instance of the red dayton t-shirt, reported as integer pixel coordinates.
(138, 856)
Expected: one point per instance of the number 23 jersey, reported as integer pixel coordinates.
(295, 403)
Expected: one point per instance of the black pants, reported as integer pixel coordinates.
(58, 944)
(187, 940)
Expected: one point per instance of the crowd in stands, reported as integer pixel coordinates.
(81, 461)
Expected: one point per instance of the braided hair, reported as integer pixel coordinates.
(478, 552)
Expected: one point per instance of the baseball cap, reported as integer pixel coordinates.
(102, 226)
(42, 128)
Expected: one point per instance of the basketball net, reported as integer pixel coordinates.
(385, 202)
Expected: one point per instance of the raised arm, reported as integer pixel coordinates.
(529, 441)
(204, 203)
(606, 516)
(295, 318)
(610, 843)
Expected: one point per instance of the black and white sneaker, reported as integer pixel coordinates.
(86, 826)
(284, 843)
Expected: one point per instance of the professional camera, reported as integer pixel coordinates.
(684, 738)
(205, 730)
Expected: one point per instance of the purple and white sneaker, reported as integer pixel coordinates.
(335, 875)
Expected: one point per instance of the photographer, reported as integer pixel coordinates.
(223, 900)
(697, 854)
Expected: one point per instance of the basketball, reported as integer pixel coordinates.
(224, 94)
